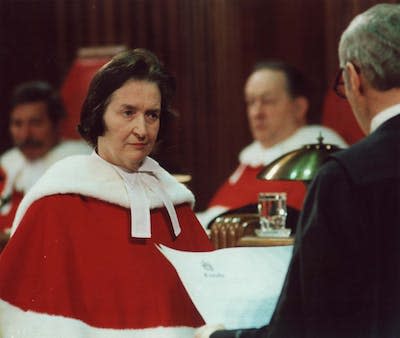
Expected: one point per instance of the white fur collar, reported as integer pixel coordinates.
(91, 176)
(21, 174)
(255, 154)
(12, 161)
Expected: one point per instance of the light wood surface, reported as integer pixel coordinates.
(264, 241)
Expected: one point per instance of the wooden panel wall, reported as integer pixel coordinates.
(210, 46)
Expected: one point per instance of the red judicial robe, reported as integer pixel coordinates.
(71, 268)
(242, 187)
(245, 190)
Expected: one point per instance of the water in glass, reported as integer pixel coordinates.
(272, 210)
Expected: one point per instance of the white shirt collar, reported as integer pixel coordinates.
(383, 116)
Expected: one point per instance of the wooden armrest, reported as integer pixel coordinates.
(228, 229)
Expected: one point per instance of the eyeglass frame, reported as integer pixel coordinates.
(340, 82)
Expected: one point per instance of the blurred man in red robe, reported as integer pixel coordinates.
(277, 102)
(35, 116)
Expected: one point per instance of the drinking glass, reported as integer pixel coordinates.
(272, 210)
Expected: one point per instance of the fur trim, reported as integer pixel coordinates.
(24, 173)
(91, 176)
(255, 154)
(12, 163)
(12, 160)
(206, 216)
(17, 323)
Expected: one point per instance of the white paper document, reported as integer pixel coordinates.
(237, 287)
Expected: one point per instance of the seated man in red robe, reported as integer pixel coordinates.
(35, 116)
(83, 259)
(277, 102)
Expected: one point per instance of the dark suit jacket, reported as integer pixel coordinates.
(344, 277)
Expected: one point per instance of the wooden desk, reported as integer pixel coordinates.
(264, 241)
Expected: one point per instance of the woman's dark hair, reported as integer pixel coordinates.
(40, 91)
(137, 64)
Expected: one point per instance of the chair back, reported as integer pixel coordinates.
(76, 83)
(226, 230)
(337, 114)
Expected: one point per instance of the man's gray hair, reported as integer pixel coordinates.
(372, 43)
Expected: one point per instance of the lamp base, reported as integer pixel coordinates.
(285, 232)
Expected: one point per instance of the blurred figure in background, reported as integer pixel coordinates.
(34, 120)
(277, 99)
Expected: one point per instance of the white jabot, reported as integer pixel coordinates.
(383, 116)
(137, 183)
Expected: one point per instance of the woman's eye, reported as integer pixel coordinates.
(127, 113)
(153, 115)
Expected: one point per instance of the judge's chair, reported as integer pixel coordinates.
(74, 89)
(238, 230)
(227, 230)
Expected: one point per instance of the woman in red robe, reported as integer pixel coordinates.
(83, 258)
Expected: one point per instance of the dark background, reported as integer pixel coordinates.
(209, 45)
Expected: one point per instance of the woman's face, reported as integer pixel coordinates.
(132, 121)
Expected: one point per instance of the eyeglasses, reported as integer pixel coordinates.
(338, 85)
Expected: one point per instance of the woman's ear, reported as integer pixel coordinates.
(302, 106)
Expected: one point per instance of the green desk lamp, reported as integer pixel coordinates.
(299, 165)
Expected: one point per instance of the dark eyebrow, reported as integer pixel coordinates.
(127, 106)
(154, 109)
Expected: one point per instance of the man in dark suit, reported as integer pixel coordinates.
(344, 277)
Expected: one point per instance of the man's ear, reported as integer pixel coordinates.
(302, 106)
(353, 79)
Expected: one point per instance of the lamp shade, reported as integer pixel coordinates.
(299, 165)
